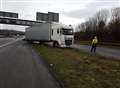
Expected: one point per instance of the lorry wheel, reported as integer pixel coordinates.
(40, 43)
(30, 41)
(55, 44)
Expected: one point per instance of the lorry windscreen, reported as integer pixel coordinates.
(67, 31)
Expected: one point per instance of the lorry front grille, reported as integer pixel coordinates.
(68, 42)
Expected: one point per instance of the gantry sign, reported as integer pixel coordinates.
(12, 18)
(50, 17)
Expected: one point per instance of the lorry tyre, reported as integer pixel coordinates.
(30, 41)
(55, 44)
(40, 43)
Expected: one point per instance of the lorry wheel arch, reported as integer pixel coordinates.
(55, 44)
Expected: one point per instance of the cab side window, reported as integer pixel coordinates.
(52, 31)
(57, 31)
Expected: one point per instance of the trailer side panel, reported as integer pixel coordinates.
(40, 32)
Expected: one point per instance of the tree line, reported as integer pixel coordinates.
(104, 24)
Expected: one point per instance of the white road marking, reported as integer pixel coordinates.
(10, 43)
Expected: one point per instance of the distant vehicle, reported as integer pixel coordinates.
(59, 34)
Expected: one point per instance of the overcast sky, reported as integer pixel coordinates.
(71, 11)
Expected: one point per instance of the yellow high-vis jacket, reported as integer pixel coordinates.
(95, 41)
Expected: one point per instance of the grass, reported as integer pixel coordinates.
(76, 69)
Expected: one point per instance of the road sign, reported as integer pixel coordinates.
(8, 14)
(50, 17)
(41, 16)
(53, 17)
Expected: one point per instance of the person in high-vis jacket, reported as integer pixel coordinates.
(94, 44)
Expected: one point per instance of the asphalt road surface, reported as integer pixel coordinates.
(107, 52)
(21, 67)
(6, 40)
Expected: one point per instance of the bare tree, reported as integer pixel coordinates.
(101, 18)
(114, 25)
(115, 14)
(96, 25)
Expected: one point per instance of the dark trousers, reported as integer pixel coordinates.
(93, 48)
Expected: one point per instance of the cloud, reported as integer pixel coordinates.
(92, 8)
(71, 11)
(26, 9)
(69, 20)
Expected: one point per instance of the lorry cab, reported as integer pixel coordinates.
(62, 35)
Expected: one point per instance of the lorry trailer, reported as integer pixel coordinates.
(59, 34)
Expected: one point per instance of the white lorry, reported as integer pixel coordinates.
(61, 35)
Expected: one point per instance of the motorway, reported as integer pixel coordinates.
(103, 51)
(21, 67)
(4, 41)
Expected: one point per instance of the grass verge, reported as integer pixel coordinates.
(76, 69)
